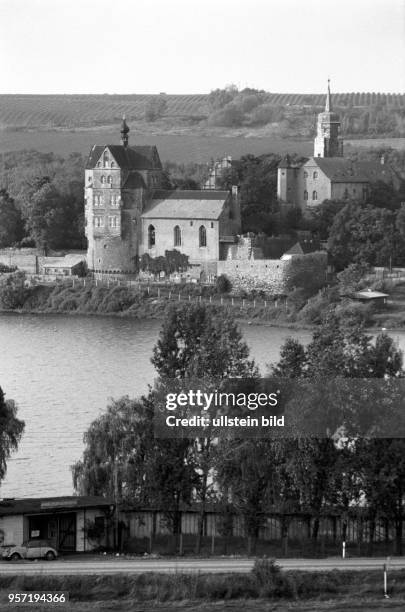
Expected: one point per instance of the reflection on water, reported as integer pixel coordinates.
(63, 370)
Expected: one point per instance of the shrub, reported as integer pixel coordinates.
(350, 312)
(14, 292)
(223, 284)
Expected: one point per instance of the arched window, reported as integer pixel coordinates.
(305, 174)
(314, 195)
(151, 236)
(112, 164)
(103, 179)
(105, 159)
(315, 175)
(305, 195)
(203, 236)
(177, 236)
(109, 180)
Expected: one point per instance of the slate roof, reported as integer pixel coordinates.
(48, 505)
(68, 261)
(129, 158)
(204, 204)
(341, 170)
(134, 181)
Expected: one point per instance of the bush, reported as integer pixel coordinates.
(14, 292)
(350, 312)
(223, 284)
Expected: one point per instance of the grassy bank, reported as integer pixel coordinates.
(266, 583)
(141, 302)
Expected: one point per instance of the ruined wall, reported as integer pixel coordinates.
(24, 259)
(260, 274)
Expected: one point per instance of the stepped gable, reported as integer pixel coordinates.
(129, 158)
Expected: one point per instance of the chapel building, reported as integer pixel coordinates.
(128, 212)
(327, 175)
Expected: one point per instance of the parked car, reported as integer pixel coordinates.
(31, 549)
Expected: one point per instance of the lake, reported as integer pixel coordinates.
(63, 370)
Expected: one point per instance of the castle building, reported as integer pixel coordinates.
(128, 212)
(328, 175)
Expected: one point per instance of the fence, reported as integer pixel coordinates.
(280, 536)
(168, 291)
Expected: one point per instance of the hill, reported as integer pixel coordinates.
(81, 111)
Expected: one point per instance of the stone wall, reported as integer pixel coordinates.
(260, 274)
(24, 259)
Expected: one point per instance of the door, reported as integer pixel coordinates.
(67, 532)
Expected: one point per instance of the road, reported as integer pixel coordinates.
(224, 565)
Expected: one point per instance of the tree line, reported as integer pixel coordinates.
(124, 459)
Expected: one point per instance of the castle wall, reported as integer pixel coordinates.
(261, 274)
(24, 259)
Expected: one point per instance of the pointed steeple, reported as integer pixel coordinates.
(124, 132)
(328, 105)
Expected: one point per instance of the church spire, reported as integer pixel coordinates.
(328, 105)
(124, 132)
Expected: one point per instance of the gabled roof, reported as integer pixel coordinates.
(341, 170)
(134, 181)
(68, 261)
(296, 249)
(204, 204)
(51, 504)
(129, 158)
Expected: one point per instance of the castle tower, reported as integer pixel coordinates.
(287, 181)
(118, 182)
(327, 142)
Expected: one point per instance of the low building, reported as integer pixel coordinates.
(62, 521)
(370, 297)
(67, 265)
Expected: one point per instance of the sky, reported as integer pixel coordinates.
(194, 46)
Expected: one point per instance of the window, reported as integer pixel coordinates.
(112, 164)
(314, 195)
(305, 195)
(97, 200)
(109, 180)
(191, 223)
(315, 175)
(103, 179)
(151, 236)
(114, 201)
(305, 174)
(202, 236)
(212, 224)
(98, 222)
(346, 194)
(177, 236)
(89, 179)
(113, 221)
(105, 159)
(98, 164)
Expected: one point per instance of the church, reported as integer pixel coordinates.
(129, 212)
(328, 175)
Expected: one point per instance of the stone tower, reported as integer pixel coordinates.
(327, 142)
(119, 181)
(287, 173)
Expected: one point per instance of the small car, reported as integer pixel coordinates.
(31, 549)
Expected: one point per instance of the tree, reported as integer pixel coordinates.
(201, 340)
(364, 234)
(11, 430)
(11, 225)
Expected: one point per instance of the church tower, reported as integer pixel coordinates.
(327, 142)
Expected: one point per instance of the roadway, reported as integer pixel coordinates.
(117, 565)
